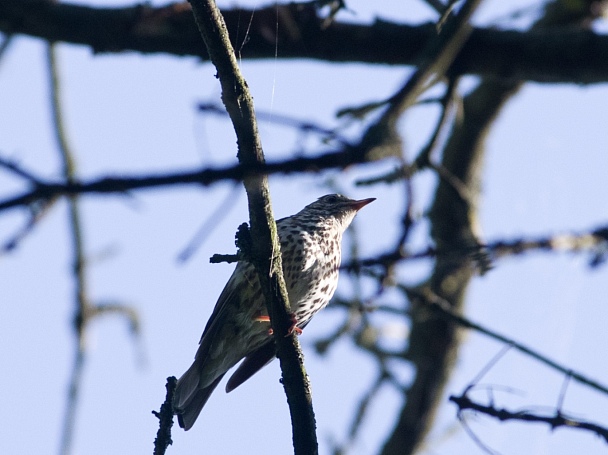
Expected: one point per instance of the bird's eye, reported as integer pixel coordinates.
(332, 199)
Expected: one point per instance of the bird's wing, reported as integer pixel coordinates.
(225, 303)
(188, 385)
(190, 411)
(253, 363)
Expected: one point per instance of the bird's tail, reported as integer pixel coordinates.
(189, 399)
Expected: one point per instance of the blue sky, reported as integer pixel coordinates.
(129, 114)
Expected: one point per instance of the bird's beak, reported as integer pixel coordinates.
(358, 205)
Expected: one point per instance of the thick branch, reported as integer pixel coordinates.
(554, 55)
(265, 248)
(433, 341)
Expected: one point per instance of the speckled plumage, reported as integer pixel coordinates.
(238, 327)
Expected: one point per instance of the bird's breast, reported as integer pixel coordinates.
(310, 267)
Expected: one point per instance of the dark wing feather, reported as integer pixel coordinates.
(222, 307)
(189, 398)
(189, 413)
(253, 363)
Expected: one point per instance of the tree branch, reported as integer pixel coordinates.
(84, 310)
(433, 341)
(165, 419)
(550, 56)
(48, 190)
(557, 420)
(265, 249)
(444, 309)
(593, 241)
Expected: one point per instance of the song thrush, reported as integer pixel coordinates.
(239, 326)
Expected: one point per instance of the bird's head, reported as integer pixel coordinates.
(335, 206)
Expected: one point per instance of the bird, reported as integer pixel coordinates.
(239, 326)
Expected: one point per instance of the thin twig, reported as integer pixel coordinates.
(336, 159)
(557, 420)
(447, 101)
(84, 309)
(304, 126)
(442, 307)
(405, 171)
(81, 299)
(493, 361)
(562, 392)
(165, 419)
(361, 411)
(212, 221)
(438, 55)
(592, 241)
(36, 213)
(18, 170)
(228, 258)
(476, 439)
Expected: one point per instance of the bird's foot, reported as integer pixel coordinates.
(264, 318)
(294, 326)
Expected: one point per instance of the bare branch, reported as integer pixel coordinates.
(443, 308)
(550, 56)
(228, 258)
(556, 420)
(593, 241)
(84, 310)
(265, 252)
(213, 220)
(329, 160)
(305, 126)
(36, 213)
(18, 170)
(165, 418)
(433, 342)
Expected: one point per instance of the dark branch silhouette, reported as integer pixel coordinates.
(593, 242)
(555, 420)
(442, 307)
(85, 310)
(433, 345)
(165, 419)
(205, 177)
(560, 47)
(555, 56)
(263, 250)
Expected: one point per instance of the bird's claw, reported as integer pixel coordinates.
(292, 328)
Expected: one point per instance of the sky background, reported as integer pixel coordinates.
(545, 172)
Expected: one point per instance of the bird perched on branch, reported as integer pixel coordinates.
(239, 327)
